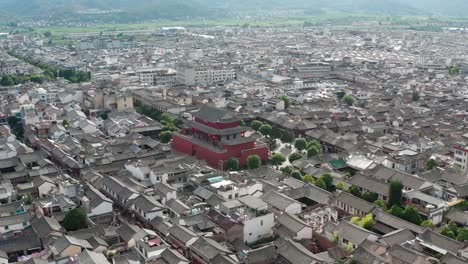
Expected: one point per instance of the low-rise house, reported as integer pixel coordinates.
(368, 184)
(45, 186)
(165, 192)
(279, 202)
(181, 238)
(177, 208)
(430, 241)
(96, 203)
(204, 250)
(400, 254)
(90, 257)
(386, 223)
(352, 204)
(349, 234)
(15, 223)
(48, 229)
(292, 252)
(67, 246)
(118, 191)
(293, 227)
(459, 217)
(147, 208)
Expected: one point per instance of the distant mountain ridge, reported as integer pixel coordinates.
(209, 8)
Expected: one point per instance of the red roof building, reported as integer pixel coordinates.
(214, 135)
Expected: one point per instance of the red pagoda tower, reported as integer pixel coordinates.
(215, 135)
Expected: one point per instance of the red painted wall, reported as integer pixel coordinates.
(240, 152)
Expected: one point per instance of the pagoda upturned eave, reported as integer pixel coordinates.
(213, 131)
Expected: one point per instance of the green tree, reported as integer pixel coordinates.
(296, 175)
(287, 137)
(446, 231)
(415, 96)
(354, 190)
(286, 101)
(300, 144)
(462, 235)
(287, 170)
(232, 164)
(166, 118)
(277, 159)
(367, 222)
(348, 99)
(381, 204)
(427, 223)
(295, 156)
(75, 219)
(396, 211)
(313, 151)
(340, 186)
(431, 164)
(349, 247)
(370, 196)
(165, 136)
(340, 95)
(66, 123)
(355, 220)
(276, 132)
(328, 180)
(411, 214)
(47, 34)
(395, 193)
(7, 81)
(308, 179)
(255, 125)
(321, 184)
(265, 130)
(253, 162)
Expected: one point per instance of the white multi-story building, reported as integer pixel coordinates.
(188, 75)
(461, 157)
(157, 77)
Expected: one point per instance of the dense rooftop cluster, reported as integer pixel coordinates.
(235, 145)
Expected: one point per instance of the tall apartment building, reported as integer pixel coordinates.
(189, 75)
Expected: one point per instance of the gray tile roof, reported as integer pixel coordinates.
(353, 233)
(450, 258)
(128, 231)
(311, 192)
(458, 216)
(405, 254)
(363, 255)
(370, 184)
(177, 206)
(294, 252)
(265, 254)
(397, 237)
(291, 222)
(355, 202)
(278, 200)
(215, 115)
(46, 225)
(440, 241)
(209, 248)
(90, 257)
(181, 233)
(395, 222)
